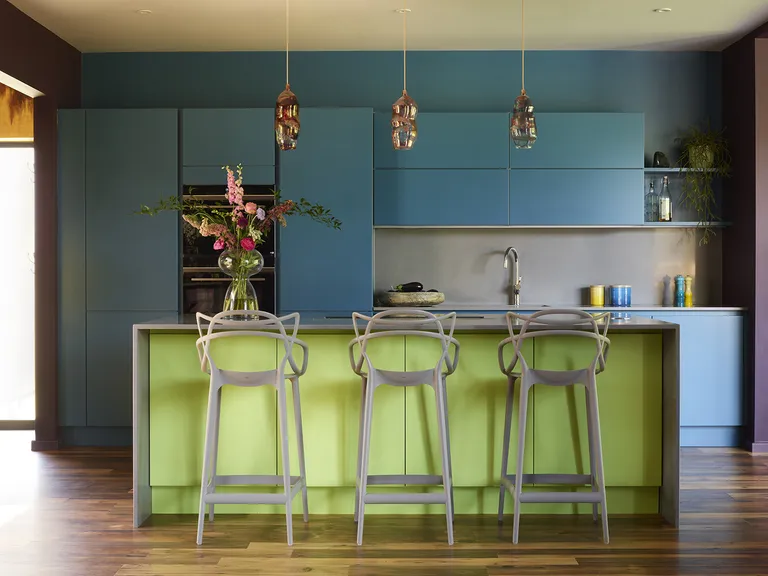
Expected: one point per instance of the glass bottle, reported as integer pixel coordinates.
(651, 205)
(665, 202)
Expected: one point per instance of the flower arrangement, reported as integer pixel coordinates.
(239, 229)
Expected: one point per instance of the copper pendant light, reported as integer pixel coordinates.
(404, 110)
(287, 123)
(522, 126)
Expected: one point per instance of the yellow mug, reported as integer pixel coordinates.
(597, 295)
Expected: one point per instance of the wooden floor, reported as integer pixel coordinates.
(69, 514)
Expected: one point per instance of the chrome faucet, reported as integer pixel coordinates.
(514, 278)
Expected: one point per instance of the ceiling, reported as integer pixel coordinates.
(224, 25)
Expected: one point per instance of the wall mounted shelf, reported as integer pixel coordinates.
(673, 169)
(561, 227)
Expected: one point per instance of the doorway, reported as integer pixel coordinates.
(17, 287)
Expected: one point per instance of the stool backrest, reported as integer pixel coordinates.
(556, 322)
(404, 322)
(252, 324)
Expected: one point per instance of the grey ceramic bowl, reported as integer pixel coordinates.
(412, 299)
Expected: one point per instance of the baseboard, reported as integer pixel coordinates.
(44, 445)
(760, 447)
(710, 436)
(96, 436)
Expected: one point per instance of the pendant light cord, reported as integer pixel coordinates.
(405, 37)
(287, 37)
(523, 43)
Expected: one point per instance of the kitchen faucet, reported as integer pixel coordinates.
(515, 279)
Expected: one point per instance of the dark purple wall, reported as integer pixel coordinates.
(35, 56)
(745, 244)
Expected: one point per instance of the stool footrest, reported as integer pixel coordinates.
(252, 480)
(568, 479)
(562, 497)
(297, 483)
(405, 479)
(405, 498)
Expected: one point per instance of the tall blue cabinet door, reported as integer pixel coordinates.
(711, 376)
(575, 197)
(320, 268)
(584, 140)
(447, 140)
(441, 197)
(132, 260)
(71, 247)
(219, 137)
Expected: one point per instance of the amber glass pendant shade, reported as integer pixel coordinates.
(287, 122)
(522, 126)
(404, 129)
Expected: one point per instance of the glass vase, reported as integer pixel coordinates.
(241, 265)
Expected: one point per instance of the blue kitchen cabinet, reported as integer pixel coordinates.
(216, 176)
(132, 261)
(576, 197)
(446, 140)
(711, 376)
(441, 197)
(320, 269)
(584, 140)
(219, 137)
(71, 253)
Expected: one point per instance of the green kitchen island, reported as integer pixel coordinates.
(639, 415)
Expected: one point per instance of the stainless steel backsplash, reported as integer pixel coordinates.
(556, 265)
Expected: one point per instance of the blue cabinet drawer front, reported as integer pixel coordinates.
(602, 140)
(320, 268)
(217, 137)
(214, 175)
(575, 197)
(711, 368)
(440, 197)
(131, 158)
(464, 140)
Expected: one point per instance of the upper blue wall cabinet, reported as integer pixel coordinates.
(584, 140)
(441, 197)
(575, 197)
(131, 158)
(219, 137)
(319, 268)
(446, 140)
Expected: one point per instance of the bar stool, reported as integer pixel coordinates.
(554, 323)
(251, 324)
(395, 324)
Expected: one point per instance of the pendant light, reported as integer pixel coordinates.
(404, 110)
(287, 106)
(522, 126)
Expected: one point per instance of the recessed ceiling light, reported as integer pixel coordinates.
(144, 12)
(402, 10)
(662, 10)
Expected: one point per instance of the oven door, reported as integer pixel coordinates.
(204, 289)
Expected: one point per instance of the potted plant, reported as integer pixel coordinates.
(704, 157)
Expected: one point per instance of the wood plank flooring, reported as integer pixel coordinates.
(69, 514)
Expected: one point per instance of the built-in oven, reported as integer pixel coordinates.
(203, 283)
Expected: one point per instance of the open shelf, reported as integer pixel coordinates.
(673, 169)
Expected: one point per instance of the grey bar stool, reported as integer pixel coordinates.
(413, 324)
(554, 323)
(252, 324)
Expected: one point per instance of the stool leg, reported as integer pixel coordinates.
(505, 445)
(522, 413)
(213, 401)
(215, 457)
(300, 445)
(359, 449)
(367, 417)
(282, 410)
(442, 425)
(592, 394)
(591, 442)
(448, 441)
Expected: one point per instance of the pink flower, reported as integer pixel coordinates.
(251, 208)
(234, 188)
(242, 222)
(260, 214)
(219, 244)
(247, 244)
